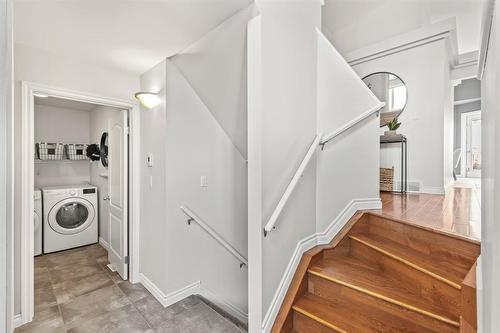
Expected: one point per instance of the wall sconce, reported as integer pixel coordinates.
(148, 99)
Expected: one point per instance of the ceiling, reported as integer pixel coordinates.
(352, 24)
(131, 35)
(64, 103)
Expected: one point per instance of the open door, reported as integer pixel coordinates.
(118, 193)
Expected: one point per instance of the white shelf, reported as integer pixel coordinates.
(37, 161)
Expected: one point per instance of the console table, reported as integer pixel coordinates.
(401, 139)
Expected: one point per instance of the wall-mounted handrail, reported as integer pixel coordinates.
(195, 218)
(351, 124)
(291, 186)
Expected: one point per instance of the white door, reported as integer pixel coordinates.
(473, 145)
(118, 193)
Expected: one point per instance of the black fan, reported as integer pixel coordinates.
(104, 149)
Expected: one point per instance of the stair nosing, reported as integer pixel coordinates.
(408, 263)
(386, 298)
(318, 319)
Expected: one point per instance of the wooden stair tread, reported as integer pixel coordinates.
(350, 316)
(442, 270)
(368, 278)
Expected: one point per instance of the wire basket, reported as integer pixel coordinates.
(76, 151)
(50, 151)
(387, 179)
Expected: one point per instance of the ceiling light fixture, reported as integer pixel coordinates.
(148, 99)
(41, 95)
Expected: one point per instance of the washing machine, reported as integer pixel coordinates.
(70, 217)
(37, 220)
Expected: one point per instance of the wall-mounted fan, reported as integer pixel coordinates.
(104, 149)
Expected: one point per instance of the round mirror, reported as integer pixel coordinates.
(388, 88)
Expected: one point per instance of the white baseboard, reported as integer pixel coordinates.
(195, 288)
(432, 190)
(103, 243)
(308, 243)
(169, 299)
(224, 304)
(17, 321)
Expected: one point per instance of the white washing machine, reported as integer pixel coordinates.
(37, 220)
(70, 217)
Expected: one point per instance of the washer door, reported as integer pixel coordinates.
(71, 216)
(36, 220)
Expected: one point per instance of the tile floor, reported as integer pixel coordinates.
(76, 293)
(458, 212)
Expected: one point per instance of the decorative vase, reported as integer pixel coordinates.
(389, 133)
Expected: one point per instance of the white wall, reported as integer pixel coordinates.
(196, 145)
(50, 69)
(99, 123)
(199, 130)
(301, 86)
(348, 167)
(64, 125)
(183, 132)
(153, 212)
(215, 67)
(424, 70)
(289, 56)
(489, 289)
(448, 127)
(6, 182)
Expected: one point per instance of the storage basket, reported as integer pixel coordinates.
(387, 179)
(50, 151)
(76, 151)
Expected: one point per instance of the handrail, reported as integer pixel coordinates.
(291, 186)
(194, 218)
(350, 124)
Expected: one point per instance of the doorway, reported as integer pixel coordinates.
(471, 144)
(121, 243)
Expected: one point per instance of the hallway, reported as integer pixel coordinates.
(458, 212)
(76, 293)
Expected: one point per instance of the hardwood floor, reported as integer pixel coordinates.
(458, 212)
(382, 274)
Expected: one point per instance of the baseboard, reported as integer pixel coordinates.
(432, 190)
(195, 288)
(173, 297)
(103, 243)
(224, 305)
(17, 321)
(308, 243)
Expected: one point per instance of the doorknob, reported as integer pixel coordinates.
(106, 198)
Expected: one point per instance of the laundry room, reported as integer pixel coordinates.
(71, 180)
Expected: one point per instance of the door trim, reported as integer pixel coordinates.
(463, 140)
(27, 185)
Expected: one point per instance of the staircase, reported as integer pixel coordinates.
(383, 275)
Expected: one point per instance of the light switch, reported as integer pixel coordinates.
(203, 181)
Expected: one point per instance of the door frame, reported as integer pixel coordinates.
(463, 138)
(27, 184)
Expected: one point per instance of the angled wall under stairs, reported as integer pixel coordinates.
(384, 275)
